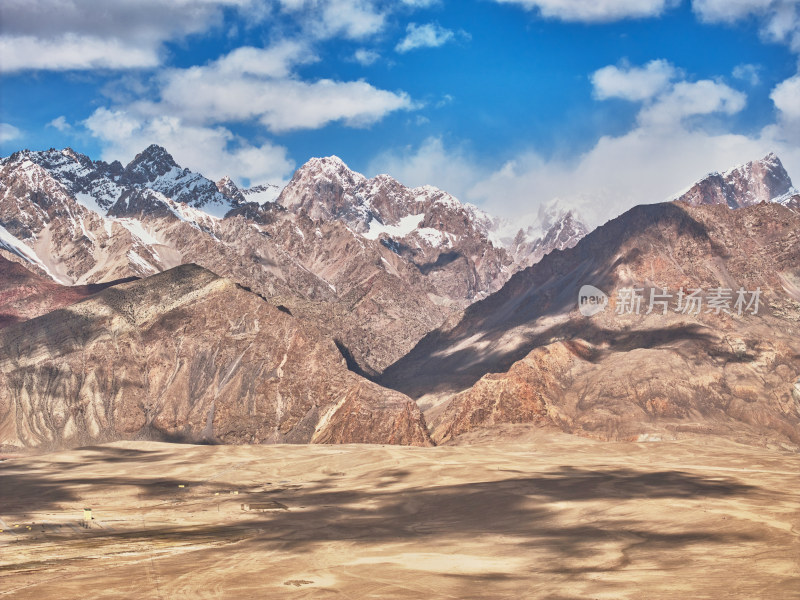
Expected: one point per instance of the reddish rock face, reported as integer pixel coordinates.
(187, 356)
(25, 295)
(428, 228)
(759, 181)
(526, 354)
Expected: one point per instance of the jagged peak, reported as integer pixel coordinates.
(71, 154)
(332, 161)
(229, 189)
(770, 161)
(762, 180)
(153, 162)
(153, 153)
(332, 168)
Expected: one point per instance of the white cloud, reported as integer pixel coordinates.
(213, 151)
(687, 99)
(786, 97)
(189, 111)
(256, 84)
(72, 52)
(747, 72)
(620, 172)
(277, 60)
(613, 176)
(280, 105)
(352, 19)
(421, 3)
(429, 35)
(729, 10)
(665, 101)
(663, 152)
(60, 123)
(780, 19)
(633, 83)
(365, 57)
(91, 34)
(595, 10)
(8, 133)
(127, 34)
(450, 169)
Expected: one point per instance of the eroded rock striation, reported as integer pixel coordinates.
(526, 353)
(188, 356)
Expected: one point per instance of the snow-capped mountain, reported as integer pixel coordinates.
(373, 262)
(445, 239)
(78, 221)
(265, 192)
(461, 246)
(108, 188)
(530, 237)
(762, 180)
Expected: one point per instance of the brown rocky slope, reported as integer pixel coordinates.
(526, 354)
(186, 355)
(26, 295)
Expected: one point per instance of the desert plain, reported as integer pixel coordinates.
(539, 515)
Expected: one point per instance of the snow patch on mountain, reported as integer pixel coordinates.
(12, 244)
(406, 225)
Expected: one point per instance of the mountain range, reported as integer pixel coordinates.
(146, 301)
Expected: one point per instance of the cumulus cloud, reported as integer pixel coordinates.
(780, 19)
(665, 101)
(8, 132)
(452, 169)
(255, 84)
(592, 11)
(189, 111)
(786, 97)
(747, 72)
(72, 51)
(689, 99)
(280, 105)
(60, 123)
(126, 34)
(620, 172)
(277, 60)
(428, 35)
(616, 174)
(665, 150)
(57, 35)
(352, 19)
(633, 83)
(421, 3)
(365, 57)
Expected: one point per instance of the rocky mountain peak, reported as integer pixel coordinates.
(150, 164)
(326, 188)
(763, 180)
(230, 190)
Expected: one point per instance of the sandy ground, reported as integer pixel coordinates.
(543, 515)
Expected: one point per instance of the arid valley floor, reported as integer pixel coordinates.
(544, 515)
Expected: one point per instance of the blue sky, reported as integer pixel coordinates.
(510, 104)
